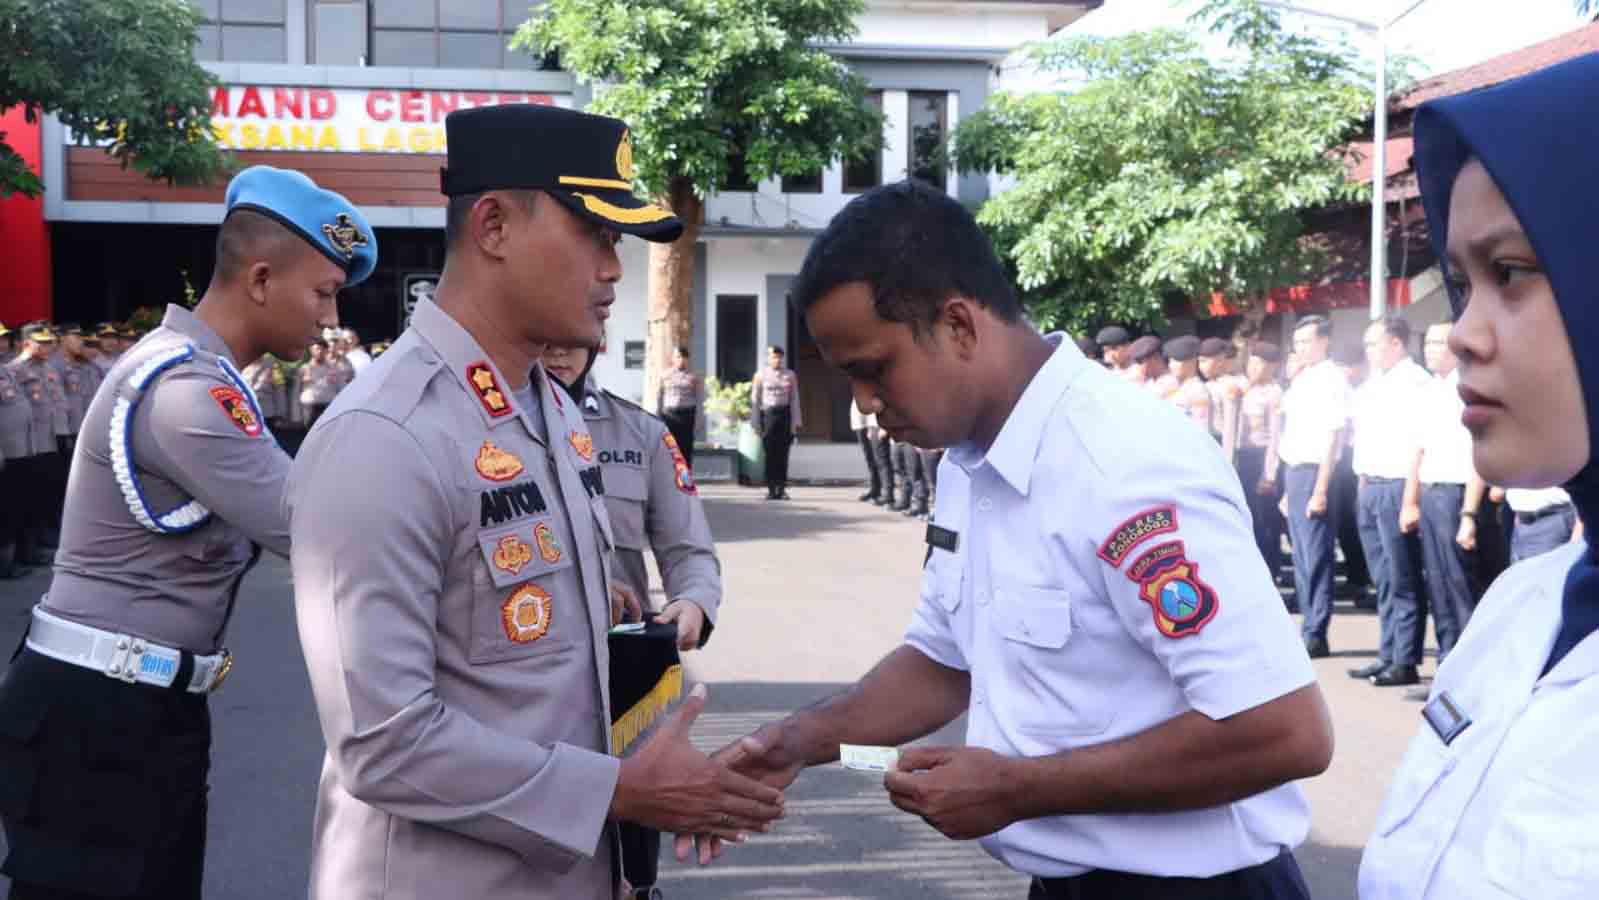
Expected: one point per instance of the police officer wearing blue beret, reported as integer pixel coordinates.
(105, 731)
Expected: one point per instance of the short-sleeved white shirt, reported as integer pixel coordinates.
(1446, 443)
(1314, 407)
(1091, 480)
(1389, 411)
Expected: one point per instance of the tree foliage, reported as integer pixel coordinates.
(1165, 172)
(702, 83)
(121, 71)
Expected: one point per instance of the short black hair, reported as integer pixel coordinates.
(247, 237)
(773, 348)
(1322, 325)
(916, 247)
(681, 351)
(460, 206)
(1396, 326)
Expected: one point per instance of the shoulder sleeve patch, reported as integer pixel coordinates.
(1181, 603)
(1136, 530)
(237, 409)
(684, 476)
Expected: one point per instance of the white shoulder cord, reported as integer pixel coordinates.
(188, 516)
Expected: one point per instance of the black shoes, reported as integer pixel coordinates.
(1317, 648)
(1371, 671)
(868, 497)
(1396, 676)
(919, 511)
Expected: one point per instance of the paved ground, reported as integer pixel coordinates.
(818, 589)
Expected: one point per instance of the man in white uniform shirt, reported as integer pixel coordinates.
(1092, 598)
(1545, 520)
(1315, 413)
(1387, 412)
(1442, 495)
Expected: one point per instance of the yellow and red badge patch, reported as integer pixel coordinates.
(583, 443)
(685, 475)
(549, 544)
(238, 410)
(512, 554)
(526, 613)
(481, 377)
(1169, 582)
(496, 464)
(1135, 531)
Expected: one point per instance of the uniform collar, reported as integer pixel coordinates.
(1015, 448)
(475, 372)
(186, 323)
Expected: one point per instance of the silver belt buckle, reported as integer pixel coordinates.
(125, 660)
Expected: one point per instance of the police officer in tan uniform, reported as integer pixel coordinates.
(44, 468)
(775, 406)
(78, 383)
(453, 600)
(1191, 395)
(654, 504)
(679, 398)
(176, 485)
(1226, 390)
(16, 416)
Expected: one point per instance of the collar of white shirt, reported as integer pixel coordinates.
(1015, 448)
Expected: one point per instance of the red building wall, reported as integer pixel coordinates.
(24, 236)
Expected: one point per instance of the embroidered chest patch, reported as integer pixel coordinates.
(549, 544)
(583, 443)
(526, 613)
(496, 464)
(238, 410)
(1135, 531)
(512, 555)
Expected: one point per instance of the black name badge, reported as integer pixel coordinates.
(1445, 717)
(942, 538)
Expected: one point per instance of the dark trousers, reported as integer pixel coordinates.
(1343, 503)
(1267, 519)
(913, 478)
(41, 511)
(777, 435)
(104, 786)
(1450, 591)
(680, 422)
(1278, 879)
(874, 477)
(1395, 562)
(1539, 532)
(1313, 552)
(883, 451)
(641, 854)
(13, 509)
(1493, 543)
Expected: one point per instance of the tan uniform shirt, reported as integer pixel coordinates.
(42, 383)
(653, 502)
(1163, 386)
(772, 389)
(194, 437)
(269, 391)
(681, 389)
(78, 383)
(320, 383)
(16, 418)
(1193, 398)
(450, 584)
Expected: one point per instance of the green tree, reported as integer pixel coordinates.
(705, 85)
(1166, 172)
(116, 70)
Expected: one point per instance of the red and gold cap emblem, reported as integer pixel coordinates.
(526, 613)
(583, 443)
(487, 387)
(549, 544)
(496, 464)
(512, 554)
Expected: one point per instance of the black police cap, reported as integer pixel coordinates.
(1145, 347)
(1215, 346)
(1112, 336)
(584, 161)
(1182, 349)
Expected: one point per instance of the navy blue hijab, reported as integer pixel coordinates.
(1538, 137)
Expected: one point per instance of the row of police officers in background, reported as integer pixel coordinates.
(1366, 442)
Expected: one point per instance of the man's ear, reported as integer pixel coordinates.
(489, 222)
(255, 281)
(964, 319)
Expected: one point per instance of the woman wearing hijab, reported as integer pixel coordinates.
(1499, 791)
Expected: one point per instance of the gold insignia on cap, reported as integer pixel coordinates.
(343, 235)
(622, 214)
(624, 156)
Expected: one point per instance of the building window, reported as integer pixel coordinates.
(808, 183)
(929, 128)
(867, 172)
(242, 31)
(738, 173)
(452, 34)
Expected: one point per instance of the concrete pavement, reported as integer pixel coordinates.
(817, 590)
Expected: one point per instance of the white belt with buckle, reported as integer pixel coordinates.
(122, 656)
